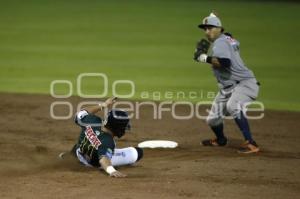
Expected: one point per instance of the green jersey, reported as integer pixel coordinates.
(93, 142)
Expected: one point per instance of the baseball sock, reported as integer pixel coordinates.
(218, 130)
(242, 123)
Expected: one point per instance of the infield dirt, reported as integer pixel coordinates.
(31, 140)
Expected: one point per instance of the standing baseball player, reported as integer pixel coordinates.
(237, 84)
(96, 145)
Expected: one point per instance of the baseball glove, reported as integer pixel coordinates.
(201, 48)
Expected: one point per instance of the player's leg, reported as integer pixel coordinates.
(244, 93)
(126, 156)
(215, 121)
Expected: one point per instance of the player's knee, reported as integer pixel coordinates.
(213, 121)
(233, 108)
(140, 153)
(126, 156)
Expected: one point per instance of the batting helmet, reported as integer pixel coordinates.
(117, 121)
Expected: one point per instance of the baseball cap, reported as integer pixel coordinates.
(211, 20)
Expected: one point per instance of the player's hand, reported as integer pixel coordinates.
(109, 101)
(118, 174)
(202, 58)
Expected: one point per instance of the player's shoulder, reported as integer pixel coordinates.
(226, 40)
(85, 114)
(230, 39)
(81, 114)
(84, 118)
(220, 44)
(221, 39)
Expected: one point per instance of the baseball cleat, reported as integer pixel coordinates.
(244, 144)
(214, 142)
(249, 147)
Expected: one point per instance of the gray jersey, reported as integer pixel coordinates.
(227, 47)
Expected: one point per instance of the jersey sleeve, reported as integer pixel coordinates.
(106, 148)
(79, 117)
(84, 118)
(221, 50)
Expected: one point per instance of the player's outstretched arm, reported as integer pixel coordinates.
(94, 109)
(107, 166)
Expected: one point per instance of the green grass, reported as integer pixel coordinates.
(148, 42)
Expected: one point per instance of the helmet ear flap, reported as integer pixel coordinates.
(120, 133)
